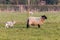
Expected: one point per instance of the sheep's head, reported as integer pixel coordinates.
(44, 17)
(13, 22)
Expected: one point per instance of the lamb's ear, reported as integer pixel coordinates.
(5, 22)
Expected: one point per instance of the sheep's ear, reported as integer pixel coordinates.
(45, 17)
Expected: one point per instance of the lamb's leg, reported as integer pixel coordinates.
(38, 26)
(6, 26)
(28, 23)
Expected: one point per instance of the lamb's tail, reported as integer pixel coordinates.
(28, 23)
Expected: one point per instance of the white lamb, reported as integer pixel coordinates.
(9, 24)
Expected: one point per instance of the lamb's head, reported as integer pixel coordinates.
(13, 22)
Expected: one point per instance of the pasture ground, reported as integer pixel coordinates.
(50, 30)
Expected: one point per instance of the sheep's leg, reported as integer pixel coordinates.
(28, 23)
(38, 26)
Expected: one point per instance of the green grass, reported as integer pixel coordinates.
(50, 30)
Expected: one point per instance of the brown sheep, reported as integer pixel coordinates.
(36, 21)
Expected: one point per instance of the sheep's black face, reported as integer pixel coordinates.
(44, 17)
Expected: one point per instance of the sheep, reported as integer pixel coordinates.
(9, 24)
(36, 21)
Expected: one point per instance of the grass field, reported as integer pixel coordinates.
(50, 30)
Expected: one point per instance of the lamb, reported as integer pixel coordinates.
(9, 24)
(36, 21)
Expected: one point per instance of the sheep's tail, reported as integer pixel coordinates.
(28, 23)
